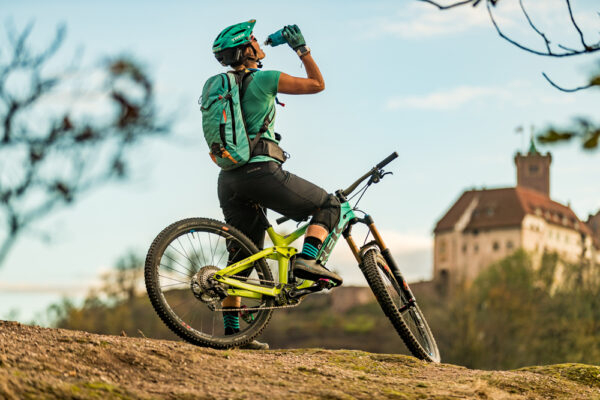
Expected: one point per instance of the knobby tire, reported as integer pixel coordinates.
(372, 266)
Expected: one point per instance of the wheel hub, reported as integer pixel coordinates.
(204, 286)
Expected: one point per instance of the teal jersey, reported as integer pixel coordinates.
(258, 102)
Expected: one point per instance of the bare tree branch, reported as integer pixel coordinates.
(442, 7)
(567, 52)
(583, 43)
(532, 25)
(564, 89)
(67, 157)
(548, 53)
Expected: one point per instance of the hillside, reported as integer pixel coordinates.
(47, 363)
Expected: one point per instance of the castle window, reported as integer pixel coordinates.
(476, 248)
(464, 248)
(509, 244)
(444, 275)
(442, 248)
(496, 246)
(534, 169)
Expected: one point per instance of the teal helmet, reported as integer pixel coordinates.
(233, 36)
(229, 46)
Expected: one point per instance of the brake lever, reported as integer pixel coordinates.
(378, 176)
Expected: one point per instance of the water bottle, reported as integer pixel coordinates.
(275, 39)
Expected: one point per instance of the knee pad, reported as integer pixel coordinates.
(328, 214)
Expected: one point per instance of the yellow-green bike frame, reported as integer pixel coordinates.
(282, 252)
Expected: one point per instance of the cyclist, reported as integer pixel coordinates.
(245, 192)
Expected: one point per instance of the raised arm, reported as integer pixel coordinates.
(313, 83)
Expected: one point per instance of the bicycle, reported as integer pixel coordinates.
(193, 264)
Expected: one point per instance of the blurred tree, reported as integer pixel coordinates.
(53, 149)
(119, 304)
(584, 128)
(125, 281)
(515, 315)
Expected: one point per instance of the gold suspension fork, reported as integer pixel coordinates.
(373, 229)
(376, 235)
(387, 255)
(353, 247)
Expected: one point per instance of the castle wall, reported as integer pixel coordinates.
(539, 236)
(460, 256)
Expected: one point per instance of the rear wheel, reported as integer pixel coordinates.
(178, 273)
(407, 318)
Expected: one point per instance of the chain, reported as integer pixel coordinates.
(257, 308)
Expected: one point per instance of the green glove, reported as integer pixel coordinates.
(293, 36)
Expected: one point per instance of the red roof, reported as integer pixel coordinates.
(506, 207)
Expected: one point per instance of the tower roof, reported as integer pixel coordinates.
(532, 148)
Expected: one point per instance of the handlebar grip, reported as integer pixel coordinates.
(281, 220)
(387, 160)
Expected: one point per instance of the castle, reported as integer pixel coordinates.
(484, 226)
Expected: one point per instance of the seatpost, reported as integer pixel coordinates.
(263, 217)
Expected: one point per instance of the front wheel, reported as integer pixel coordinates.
(407, 318)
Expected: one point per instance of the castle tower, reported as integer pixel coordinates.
(533, 170)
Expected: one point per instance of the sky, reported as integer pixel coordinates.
(440, 88)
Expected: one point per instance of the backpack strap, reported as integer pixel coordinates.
(243, 79)
(244, 83)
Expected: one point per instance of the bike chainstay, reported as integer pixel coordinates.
(256, 308)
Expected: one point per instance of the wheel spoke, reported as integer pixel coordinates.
(186, 255)
(222, 254)
(175, 270)
(201, 249)
(193, 248)
(212, 253)
(173, 279)
(177, 262)
(172, 284)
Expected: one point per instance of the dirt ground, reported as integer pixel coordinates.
(42, 363)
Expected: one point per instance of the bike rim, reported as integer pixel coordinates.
(190, 253)
(411, 316)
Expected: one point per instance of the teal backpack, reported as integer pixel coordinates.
(223, 120)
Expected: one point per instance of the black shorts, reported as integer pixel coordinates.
(243, 190)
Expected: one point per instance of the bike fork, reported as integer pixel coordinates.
(385, 252)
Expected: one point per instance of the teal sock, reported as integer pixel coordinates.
(311, 248)
(231, 321)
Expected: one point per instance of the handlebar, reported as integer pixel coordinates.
(376, 168)
(352, 187)
(387, 160)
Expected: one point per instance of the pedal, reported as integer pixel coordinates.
(325, 283)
